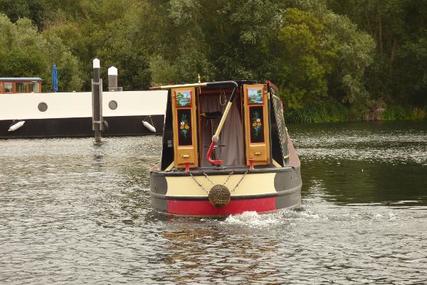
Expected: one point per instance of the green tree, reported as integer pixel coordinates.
(69, 73)
(104, 29)
(346, 54)
(17, 9)
(217, 39)
(398, 74)
(26, 52)
(323, 57)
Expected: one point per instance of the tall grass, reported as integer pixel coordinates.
(336, 112)
(396, 112)
(318, 113)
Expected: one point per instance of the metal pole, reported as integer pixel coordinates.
(97, 101)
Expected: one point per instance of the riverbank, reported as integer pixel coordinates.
(336, 112)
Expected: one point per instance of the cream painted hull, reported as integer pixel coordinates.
(262, 190)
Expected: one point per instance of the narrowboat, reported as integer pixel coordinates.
(20, 85)
(225, 151)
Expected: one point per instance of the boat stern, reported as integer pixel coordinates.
(260, 190)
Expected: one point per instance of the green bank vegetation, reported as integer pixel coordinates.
(332, 60)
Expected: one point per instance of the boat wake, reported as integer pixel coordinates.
(253, 219)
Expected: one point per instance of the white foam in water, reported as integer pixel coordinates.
(253, 219)
(391, 216)
(309, 214)
(378, 216)
(404, 202)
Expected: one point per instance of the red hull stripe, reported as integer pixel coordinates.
(204, 208)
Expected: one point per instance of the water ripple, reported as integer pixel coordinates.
(75, 213)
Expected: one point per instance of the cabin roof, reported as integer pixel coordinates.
(20, 79)
(206, 84)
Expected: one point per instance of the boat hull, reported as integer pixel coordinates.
(80, 127)
(260, 190)
(69, 114)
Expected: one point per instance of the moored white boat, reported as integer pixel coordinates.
(69, 114)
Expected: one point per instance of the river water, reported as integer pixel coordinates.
(75, 213)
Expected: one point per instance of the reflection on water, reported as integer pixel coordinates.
(72, 212)
(366, 163)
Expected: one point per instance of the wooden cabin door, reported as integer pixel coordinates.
(257, 127)
(184, 127)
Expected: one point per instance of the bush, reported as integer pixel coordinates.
(317, 113)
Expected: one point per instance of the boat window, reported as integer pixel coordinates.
(26, 87)
(8, 87)
(36, 87)
(20, 88)
(42, 107)
(185, 128)
(256, 117)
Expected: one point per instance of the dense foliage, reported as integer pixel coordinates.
(332, 59)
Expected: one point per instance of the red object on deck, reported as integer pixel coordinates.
(205, 208)
(251, 164)
(187, 167)
(216, 162)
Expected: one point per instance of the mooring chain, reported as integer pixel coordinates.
(207, 177)
(225, 183)
(241, 179)
(228, 178)
(197, 182)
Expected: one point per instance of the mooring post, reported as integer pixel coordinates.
(112, 79)
(97, 119)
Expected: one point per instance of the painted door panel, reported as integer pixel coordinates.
(184, 127)
(257, 129)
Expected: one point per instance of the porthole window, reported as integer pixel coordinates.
(42, 107)
(113, 105)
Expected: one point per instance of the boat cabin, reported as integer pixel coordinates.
(20, 85)
(228, 124)
(226, 150)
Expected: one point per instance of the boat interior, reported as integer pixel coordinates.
(230, 146)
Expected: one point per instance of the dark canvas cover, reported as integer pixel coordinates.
(281, 126)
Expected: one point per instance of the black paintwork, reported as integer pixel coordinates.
(80, 127)
(158, 183)
(276, 150)
(167, 150)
